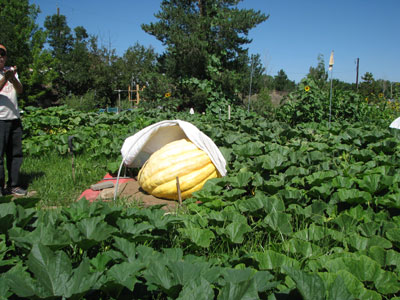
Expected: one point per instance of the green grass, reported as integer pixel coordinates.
(51, 177)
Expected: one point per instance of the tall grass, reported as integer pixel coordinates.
(51, 177)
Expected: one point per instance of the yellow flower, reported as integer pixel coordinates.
(380, 95)
(167, 95)
(366, 99)
(306, 88)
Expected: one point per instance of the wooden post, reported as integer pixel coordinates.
(178, 188)
(229, 112)
(137, 94)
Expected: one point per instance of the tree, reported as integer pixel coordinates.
(104, 72)
(253, 70)
(59, 34)
(282, 82)
(204, 42)
(318, 73)
(42, 74)
(17, 31)
(135, 64)
(370, 88)
(76, 63)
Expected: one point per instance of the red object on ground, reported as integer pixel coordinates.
(91, 195)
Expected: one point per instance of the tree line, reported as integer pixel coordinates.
(205, 58)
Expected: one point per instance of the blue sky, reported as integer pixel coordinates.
(291, 39)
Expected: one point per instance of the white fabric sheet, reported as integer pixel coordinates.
(139, 147)
(395, 123)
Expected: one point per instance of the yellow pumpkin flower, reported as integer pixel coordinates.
(167, 95)
(306, 88)
(380, 95)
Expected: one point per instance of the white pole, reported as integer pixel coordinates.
(331, 62)
(229, 112)
(251, 79)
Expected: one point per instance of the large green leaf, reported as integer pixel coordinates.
(236, 231)
(264, 281)
(306, 249)
(292, 194)
(362, 243)
(321, 176)
(352, 196)
(338, 290)
(5, 292)
(273, 185)
(273, 161)
(52, 270)
(371, 183)
(125, 274)
(366, 269)
(343, 182)
(95, 229)
(200, 289)
(249, 149)
(22, 284)
(158, 274)
(310, 286)
(82, 280)
(45, 234)
(185, 272)
(245, 290)
(132, 227)
(157, 217)
(7, 216)
(241, 179)
(201, 237)
(270, 259)
(393, 234)
(280, 222)
(126, 247)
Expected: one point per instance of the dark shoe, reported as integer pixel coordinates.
(18, 191)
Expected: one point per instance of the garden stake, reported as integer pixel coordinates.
(331, 61)
(178, 187)
(71, 150)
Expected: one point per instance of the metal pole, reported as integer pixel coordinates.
(358, 62)
(251, 79)
(330, 101)
(331, 62)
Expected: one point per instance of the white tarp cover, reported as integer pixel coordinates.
(139, 147)
(395, 123)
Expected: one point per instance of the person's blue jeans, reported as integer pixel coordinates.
(11, 147)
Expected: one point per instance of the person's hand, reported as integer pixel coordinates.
(9, 73)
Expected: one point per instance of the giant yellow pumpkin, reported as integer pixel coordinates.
(181, 159)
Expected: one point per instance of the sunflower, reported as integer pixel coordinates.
(167, 95)
(306, 88)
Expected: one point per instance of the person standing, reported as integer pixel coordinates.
(10, 127)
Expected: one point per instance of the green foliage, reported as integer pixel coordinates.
(305, 209)
(17, 23)
(261, 103)
(319, 74)
(204, 42)
(254, 72)
(282, 82)
(59, 34)
(85, 103)
(309, 103)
